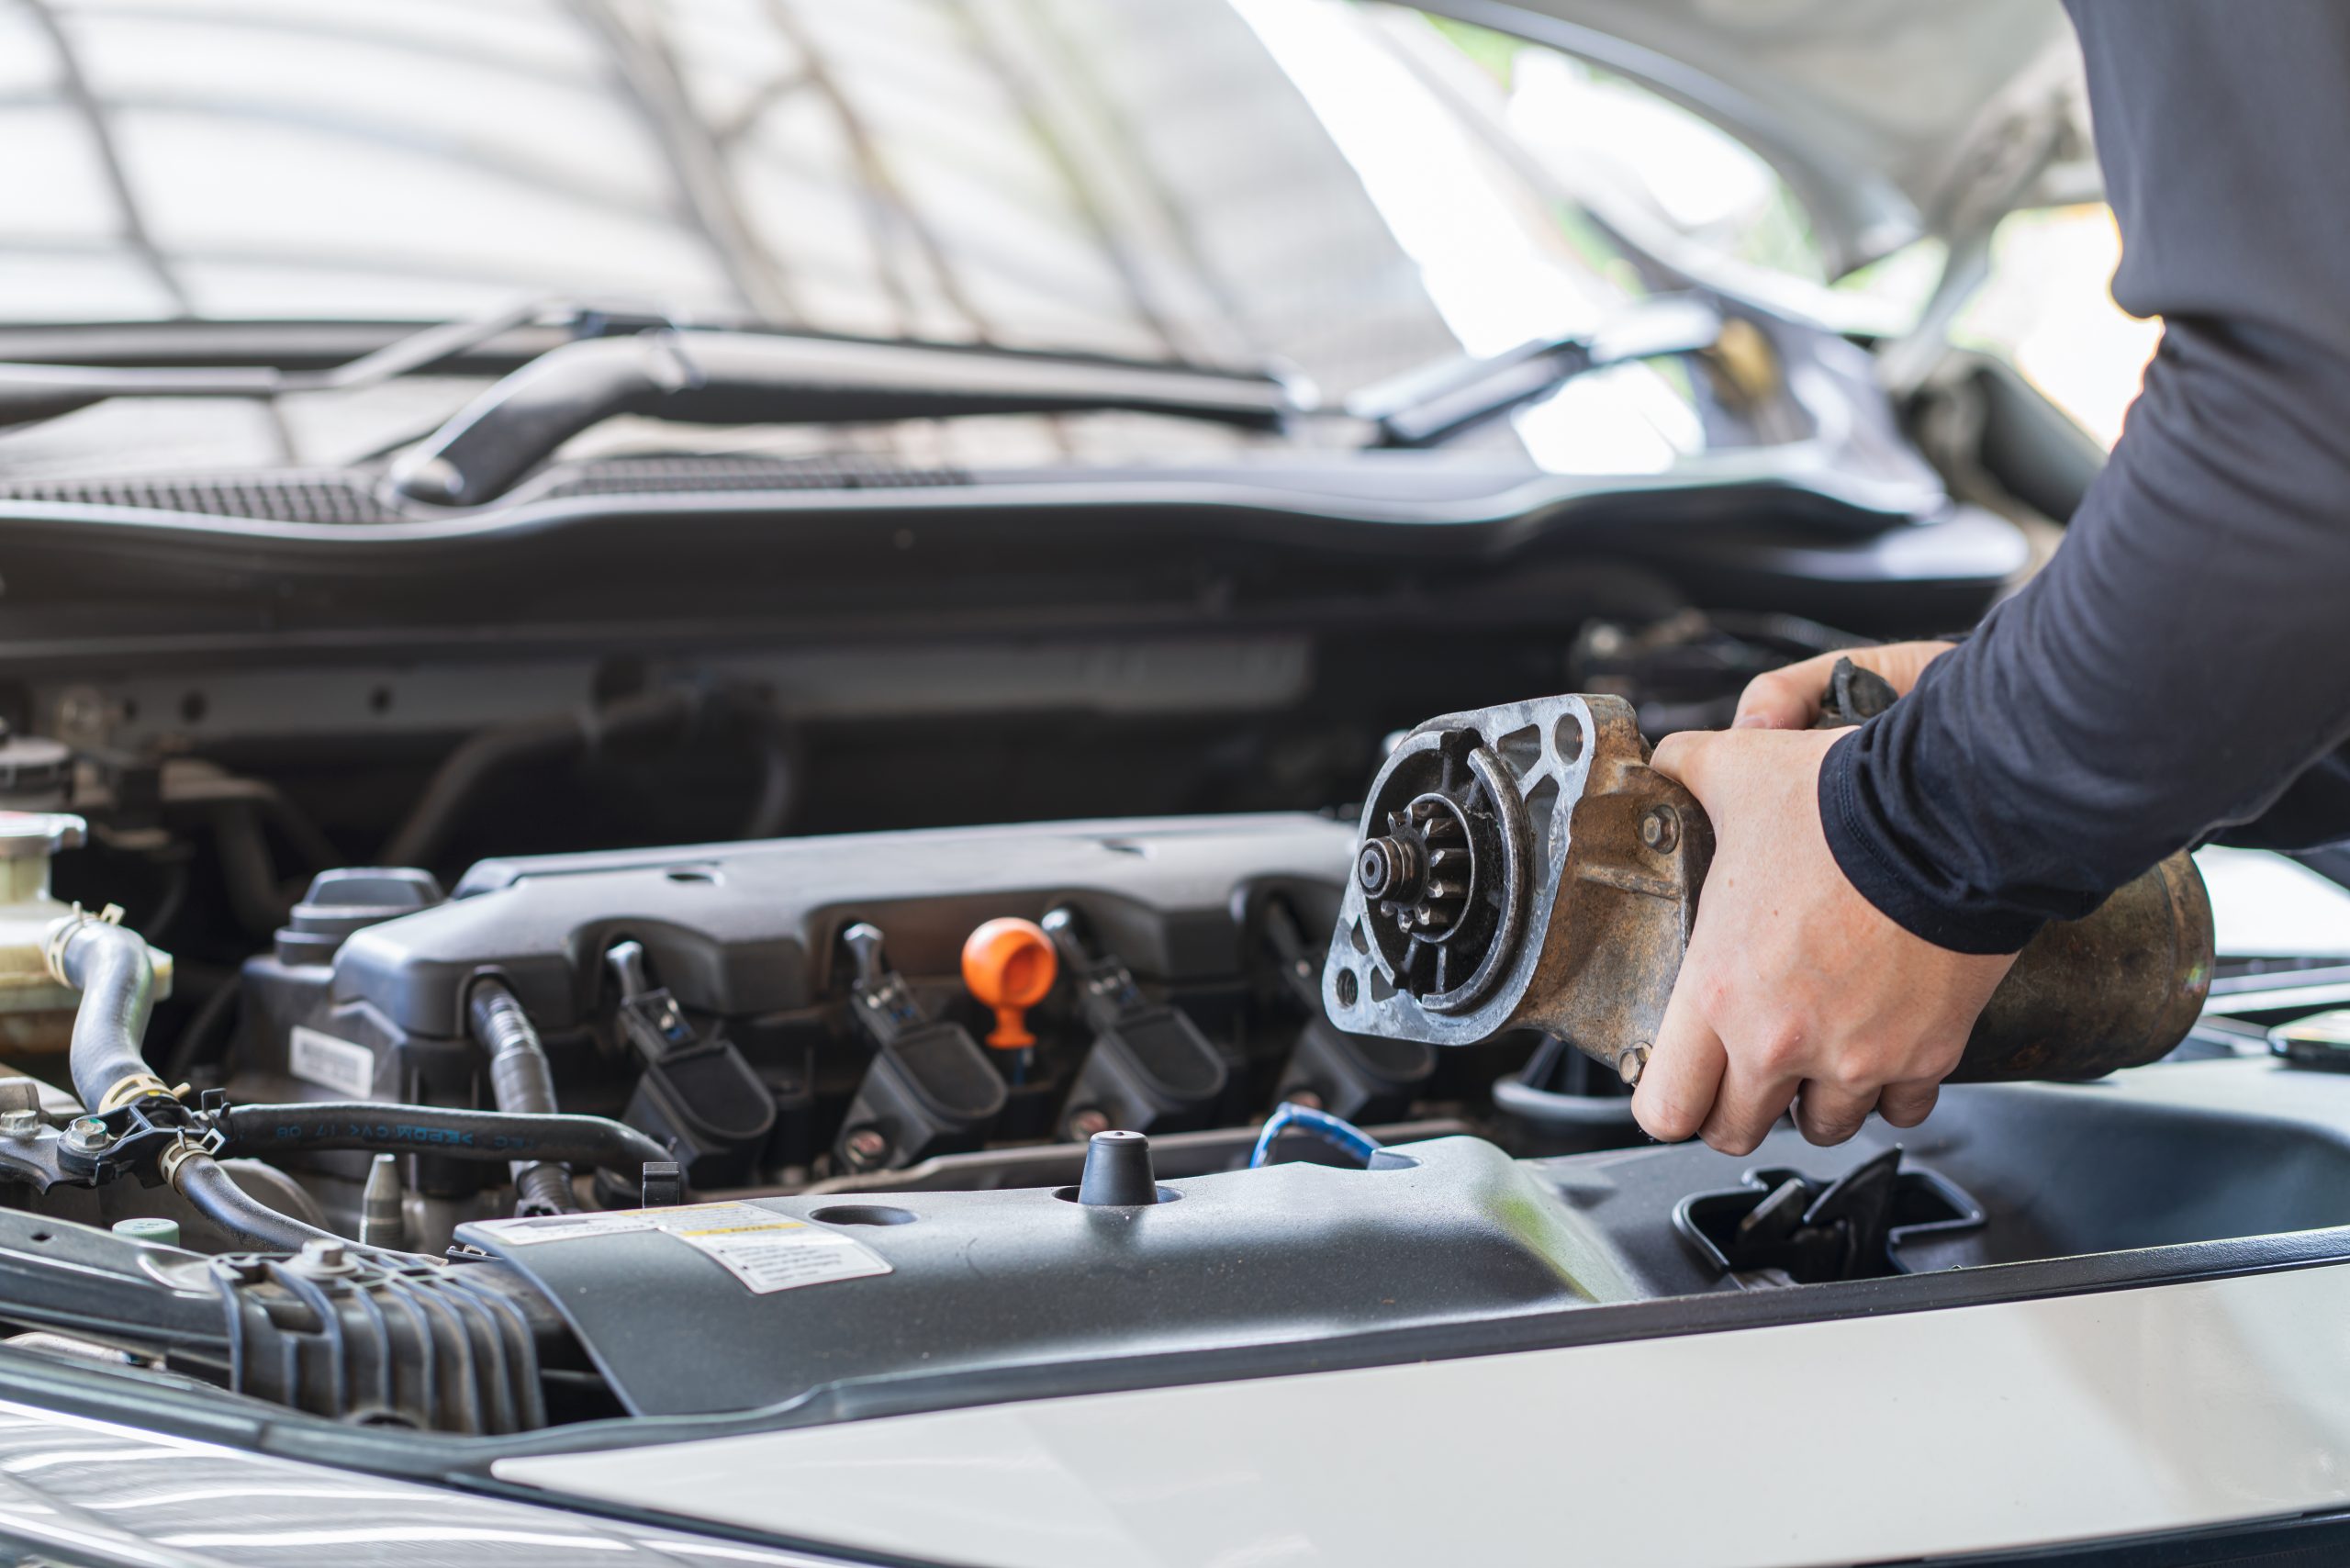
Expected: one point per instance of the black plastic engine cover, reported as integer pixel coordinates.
(931, 1281)
(750, 928)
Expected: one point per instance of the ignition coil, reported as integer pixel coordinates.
(930, 1090)
(698, 1096)
(1149, 1070)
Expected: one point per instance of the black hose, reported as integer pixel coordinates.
(266, 1130)
(521, 1083)
(542, 1187)
(109, 966)
(519, 1080)
(571, 735)
(256, 898)
(253, 1224)
(556, 737)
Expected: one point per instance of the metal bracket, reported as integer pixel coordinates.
(1593, 887)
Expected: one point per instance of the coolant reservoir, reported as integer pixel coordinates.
(36, 1012)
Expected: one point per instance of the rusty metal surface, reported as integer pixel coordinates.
(1609, 858)
(1639, 849)
(2117, 989)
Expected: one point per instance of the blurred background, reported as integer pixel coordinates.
(1123, 177)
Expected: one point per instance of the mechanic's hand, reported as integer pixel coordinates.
(1793, 984)
(1789, 698)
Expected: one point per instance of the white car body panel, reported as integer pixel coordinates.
(1956, 1431)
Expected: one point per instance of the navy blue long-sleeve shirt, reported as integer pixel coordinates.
(2181, 670)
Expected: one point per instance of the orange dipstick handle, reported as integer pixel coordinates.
(1010, 965)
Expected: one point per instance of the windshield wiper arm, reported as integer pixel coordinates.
(30, 392)
(706, 376)
(1422, 407)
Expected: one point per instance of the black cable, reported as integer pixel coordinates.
(521, 1082)
(1792, 631)
(196, 1041)
(177, 874)
(252, 1223)
(265, 1130)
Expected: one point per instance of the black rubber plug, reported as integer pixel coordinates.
(1117, 1171)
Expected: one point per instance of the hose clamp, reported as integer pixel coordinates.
(179, 1152)
(133, 1086)
(61, 934)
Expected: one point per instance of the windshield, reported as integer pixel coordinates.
(1344, 192)
(1160, 178)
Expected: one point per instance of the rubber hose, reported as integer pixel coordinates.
(1547, 1107)
(521, 1082)
(559, 737)
(554, 738)
(110, 966)
(216, 1196)
(520, 1079)
(266, 1130)
(258, 901)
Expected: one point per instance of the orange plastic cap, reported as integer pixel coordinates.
(1009, 966)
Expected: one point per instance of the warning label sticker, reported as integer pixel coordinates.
(782, 1254)
(316, 1056)
(766, 1250)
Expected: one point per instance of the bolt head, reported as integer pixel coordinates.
(1084, 1124)
(1661, 829)
(324, 1256)
(19, 1124)
(1632, 1064)
(866, 1147)
(88, 1133)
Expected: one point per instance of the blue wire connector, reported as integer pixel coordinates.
(1321, 1124)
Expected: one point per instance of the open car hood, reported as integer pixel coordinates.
(1891, 120)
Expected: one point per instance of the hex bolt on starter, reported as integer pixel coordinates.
(1661, 829)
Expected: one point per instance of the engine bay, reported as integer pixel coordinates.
(718, 1027)
(802, 1123)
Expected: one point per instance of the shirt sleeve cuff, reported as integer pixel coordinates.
(1903, 891)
